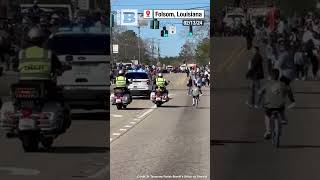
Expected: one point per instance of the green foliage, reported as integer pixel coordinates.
(202, 54)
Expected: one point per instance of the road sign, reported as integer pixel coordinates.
(141, 20)
(127, 17)
(84, 4)
(172, 29)
(115, 48)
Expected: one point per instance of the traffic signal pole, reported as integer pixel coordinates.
(139, 60)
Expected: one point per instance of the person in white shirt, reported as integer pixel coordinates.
(300, 63)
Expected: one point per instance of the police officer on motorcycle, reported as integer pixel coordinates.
(161, 83)
(38, 65)
(122, 82)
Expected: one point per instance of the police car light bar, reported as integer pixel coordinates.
(139, 70)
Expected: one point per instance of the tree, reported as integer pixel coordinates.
(186, 54)
(202, 54)
(128, 45)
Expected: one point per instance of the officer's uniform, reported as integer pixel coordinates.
(121, 83)
(38, 64)
(161, 83)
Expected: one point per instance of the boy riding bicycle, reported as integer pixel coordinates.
(274, 94)
(195, 92)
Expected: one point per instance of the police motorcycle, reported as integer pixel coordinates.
(33, 117)
(120, 98)
(159, 97)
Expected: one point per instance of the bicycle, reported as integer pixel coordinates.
(276, 126)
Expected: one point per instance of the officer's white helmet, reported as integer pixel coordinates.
(121, 72)
(35, 35)
(160, 75)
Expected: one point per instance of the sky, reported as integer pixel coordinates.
(169, 46)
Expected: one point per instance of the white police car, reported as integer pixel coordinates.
(86, 85)
(141, 84)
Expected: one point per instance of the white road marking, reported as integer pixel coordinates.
(123, 129)
(147, 112)
(132, 122)
(100, 174)
(136, 119)
(116, 134)
(20, 171)
(127, 126)
(110, 139)
(116, 115)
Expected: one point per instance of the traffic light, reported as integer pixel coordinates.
(190, 31)
(154, 24)
(112, 20)
(164, 32)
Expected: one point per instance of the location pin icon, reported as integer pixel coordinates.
(148, 13)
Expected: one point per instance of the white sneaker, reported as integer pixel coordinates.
(267, 135)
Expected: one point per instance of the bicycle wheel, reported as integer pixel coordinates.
(276, 131)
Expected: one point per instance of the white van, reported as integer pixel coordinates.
(183, 67)
(87, 84)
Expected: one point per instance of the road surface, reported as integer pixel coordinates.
(238, 150)
(81, 153)
(163, 143)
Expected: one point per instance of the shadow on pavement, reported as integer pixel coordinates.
(223, 142)
(306, 107)
(303, 92)
(173, 106)
(298, 146)
(136, 109)
(203, 108)
(75, 150)
(97, 116)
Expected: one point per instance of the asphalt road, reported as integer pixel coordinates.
(81, 153)
(238, 150)
(170, 142)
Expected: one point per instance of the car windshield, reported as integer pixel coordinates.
(137, 76)
(80, 44)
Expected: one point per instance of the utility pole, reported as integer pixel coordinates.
(158, 50)
(139, 60)
(152, 49)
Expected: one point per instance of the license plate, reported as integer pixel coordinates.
(27, 124)
(118, 100)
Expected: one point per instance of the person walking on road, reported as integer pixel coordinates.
(189, 85)
(199, 84)
(255, 74)
(310, 42)
(249, 34)
(299, 61)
